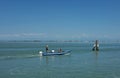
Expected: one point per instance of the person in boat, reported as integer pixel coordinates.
(60, 50)
(96, 46)
(46, 48)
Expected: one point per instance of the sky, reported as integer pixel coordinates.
(59, 19)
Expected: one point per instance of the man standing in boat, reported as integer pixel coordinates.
(46, 48)
(96, 46)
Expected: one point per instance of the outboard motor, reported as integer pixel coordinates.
(40, 53)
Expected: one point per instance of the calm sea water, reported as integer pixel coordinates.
(22, 60)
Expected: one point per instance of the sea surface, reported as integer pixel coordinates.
(22, 60)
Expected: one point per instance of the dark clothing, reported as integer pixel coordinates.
(46, 48)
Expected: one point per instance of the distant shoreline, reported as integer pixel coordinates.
(82, 41)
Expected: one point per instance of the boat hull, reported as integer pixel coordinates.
(56, 53)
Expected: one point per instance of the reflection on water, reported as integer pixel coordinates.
(47, 59)
(57, 59)
(96, 57)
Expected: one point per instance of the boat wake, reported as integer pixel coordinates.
(18, 57)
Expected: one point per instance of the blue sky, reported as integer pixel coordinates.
(59, 19)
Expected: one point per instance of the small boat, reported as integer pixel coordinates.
(52, 53)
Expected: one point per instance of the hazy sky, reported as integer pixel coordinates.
(59, 19)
